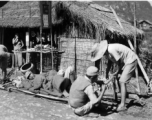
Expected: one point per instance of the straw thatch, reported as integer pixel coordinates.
(90, 19)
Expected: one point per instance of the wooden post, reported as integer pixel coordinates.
(2, 12)
(135, 47)
(41, 26)
(27, 46)
(50, 26)
(75, 54)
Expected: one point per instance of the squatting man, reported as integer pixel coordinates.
(83, 97)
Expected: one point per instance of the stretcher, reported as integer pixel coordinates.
(14, 89)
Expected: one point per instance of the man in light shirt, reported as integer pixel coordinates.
(121, 55)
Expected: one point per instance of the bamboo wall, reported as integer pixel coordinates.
(76, 53)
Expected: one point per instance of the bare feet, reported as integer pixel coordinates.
(121, 108)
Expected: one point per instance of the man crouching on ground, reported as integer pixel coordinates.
(4, 56)
(82, 97)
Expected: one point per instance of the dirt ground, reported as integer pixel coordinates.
(19, 106)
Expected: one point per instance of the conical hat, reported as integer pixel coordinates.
(98, 50)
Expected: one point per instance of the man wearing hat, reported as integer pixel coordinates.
(82, 96)
(4, 56)
(123, 56)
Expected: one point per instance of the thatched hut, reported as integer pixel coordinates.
(90, 20)
(69, 19)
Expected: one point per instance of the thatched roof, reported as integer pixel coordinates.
(90, 18)
(20, 14)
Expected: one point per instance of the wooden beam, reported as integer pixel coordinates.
(116, 17)
(135, 47)
(139, 63)
(50, 26)
(41, 27)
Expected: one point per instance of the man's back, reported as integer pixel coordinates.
(119, 51)
(78, 97)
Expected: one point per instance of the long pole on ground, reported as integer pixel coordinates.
(50, 26)
(41, 26)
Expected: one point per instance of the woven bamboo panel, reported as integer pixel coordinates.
(76, 52)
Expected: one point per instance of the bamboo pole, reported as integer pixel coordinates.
(135, 48)
(50, 26)
(116, 17)
(140, 64)
(41, 17)
(13, 89)
(75, 51)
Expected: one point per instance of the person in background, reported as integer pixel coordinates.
(44, 40)
(18, 45)
(34, 82)
(70, 75)
(38, 42)
(48, 39)
(4, 56)
(56, 86)
(59, 83)
(82, 97)
(124, 57)
(33, 39)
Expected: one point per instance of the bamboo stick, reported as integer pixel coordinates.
(36, 95)
(50, 26)
(41, 15)
(116, 17)
(135, 48)
(140, 64)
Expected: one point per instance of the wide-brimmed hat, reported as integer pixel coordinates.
(98, 50)
(92, 71)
